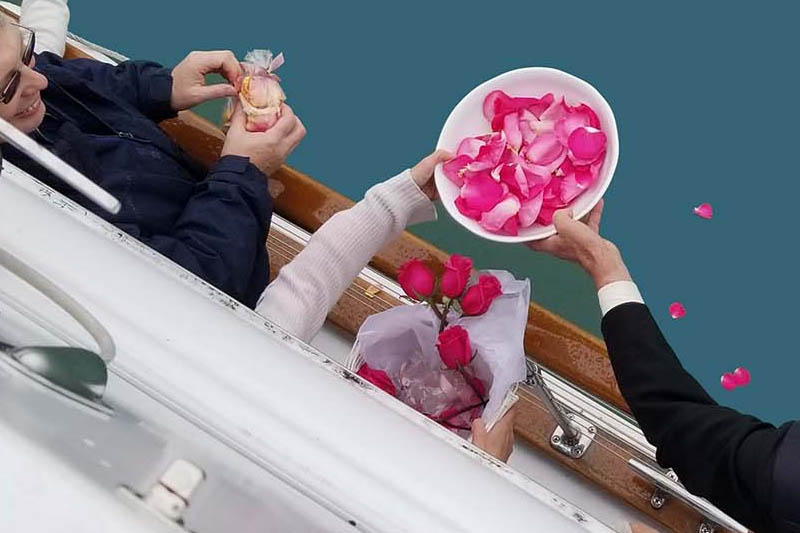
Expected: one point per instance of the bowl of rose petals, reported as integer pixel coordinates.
(526, 144)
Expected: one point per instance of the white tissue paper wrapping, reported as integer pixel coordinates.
(388, 339)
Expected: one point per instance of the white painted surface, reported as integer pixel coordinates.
(285, 407)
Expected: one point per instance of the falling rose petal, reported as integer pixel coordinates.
(470, 147)
(587, 143)
(704, 211)
(741, 376)
(481, 192)
(511, 129)
(461, 205)
(544, 149)
(496, 218)
(728, 381)
(676, 310)
(454, 169)
(529, 211)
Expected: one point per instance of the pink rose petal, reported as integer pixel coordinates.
(529, 211)
(544, 149)
(546, 215)
(570, 188)
(511, 227)
(512, 132)
(741, 376)
(727, 381)
(493, 103)
(455, 169)
(481, 192)
(704, 211)
(461, 205)
(470, 147)
(587, 143)
(496, 218)
(676, 310)
(515, 178)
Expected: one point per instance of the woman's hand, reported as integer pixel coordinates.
(189, 78)
(423, 171)
(498, 442)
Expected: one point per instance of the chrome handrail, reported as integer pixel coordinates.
(59, 168)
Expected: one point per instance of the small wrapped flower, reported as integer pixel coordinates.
(260, 92)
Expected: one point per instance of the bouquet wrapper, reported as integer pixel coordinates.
(260, 93)
(389, 339)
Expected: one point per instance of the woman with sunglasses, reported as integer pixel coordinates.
(103, 120)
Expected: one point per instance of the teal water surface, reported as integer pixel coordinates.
(705, 99)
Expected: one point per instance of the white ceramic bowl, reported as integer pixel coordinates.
(467, 120)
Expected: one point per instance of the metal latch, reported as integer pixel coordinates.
(573, 435)
(667, 485)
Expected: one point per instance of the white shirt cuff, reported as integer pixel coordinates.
(618, 293)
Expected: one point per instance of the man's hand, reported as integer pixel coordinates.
(580, 242)
(498, 442)
(423, 171)
(189, 78)
(266, 150)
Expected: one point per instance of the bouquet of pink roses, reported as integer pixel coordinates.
(456, 360)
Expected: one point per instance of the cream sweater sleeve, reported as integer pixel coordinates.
(49, 19)
(307, 288)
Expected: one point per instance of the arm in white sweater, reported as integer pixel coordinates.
(307, 288)
(49, 19)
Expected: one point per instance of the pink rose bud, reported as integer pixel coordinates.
(379, 378)
(454, 347)
(416, 279)
(456, 275)
(479, 297)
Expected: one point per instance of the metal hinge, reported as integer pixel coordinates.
(573, 435)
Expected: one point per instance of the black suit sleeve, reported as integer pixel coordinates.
(718, 453)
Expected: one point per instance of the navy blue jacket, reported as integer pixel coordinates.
(746, 467)
(103, 120)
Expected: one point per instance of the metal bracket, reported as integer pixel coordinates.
(667, 485)
(577, 445)
(569, 438)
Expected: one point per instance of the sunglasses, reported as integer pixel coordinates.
(27, 55)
